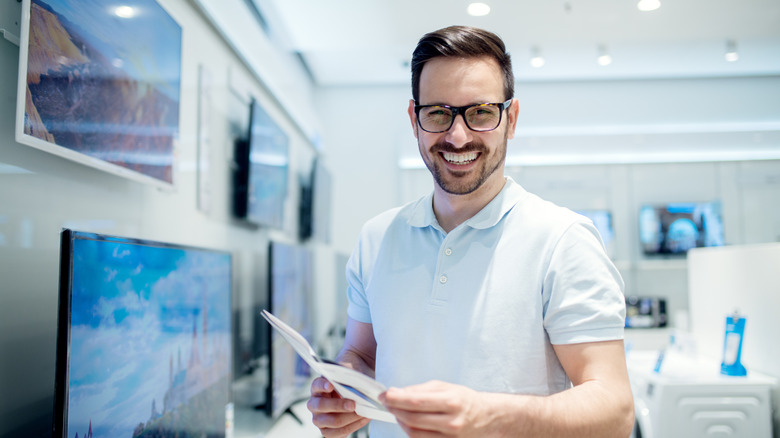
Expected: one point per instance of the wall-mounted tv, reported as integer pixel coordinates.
(261, 169)
(99, 84)
(143, 338)
(315, 200)
(602, 220)
(675, 228)
(290, 288)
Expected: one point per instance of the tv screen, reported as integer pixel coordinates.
(260, 176)
(290, 289)
(602, 220)
(676, 228)
(315, 199)
(143, 340)
(99, 84)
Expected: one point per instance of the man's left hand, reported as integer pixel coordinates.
(438, 409)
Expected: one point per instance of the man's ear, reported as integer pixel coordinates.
(413, 117)
(511, 117)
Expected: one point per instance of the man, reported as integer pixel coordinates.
(485, 310)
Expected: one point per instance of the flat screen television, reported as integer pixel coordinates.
(290, 292)
(315, 199)
(99, 84)
(675, 228)
(261, 171)
(602, 220)
(143, 339)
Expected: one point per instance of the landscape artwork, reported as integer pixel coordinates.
(102, 81)
(150, 341)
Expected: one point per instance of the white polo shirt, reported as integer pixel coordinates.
(482, 305)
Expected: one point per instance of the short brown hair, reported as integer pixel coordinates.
(461, 42)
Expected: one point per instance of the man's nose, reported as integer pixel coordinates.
(459, 134)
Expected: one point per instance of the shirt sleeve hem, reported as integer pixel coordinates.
(596, 335)
(359, 314)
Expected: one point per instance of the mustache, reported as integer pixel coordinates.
(445, 146)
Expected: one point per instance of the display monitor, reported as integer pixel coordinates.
(143, 339)
(602, 220)
(315, 200)
(261, 171)
(675, 228)
(290, 289)
(99, 84)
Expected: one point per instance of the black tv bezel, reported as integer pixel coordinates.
(62, 352)
(241, 178)
(306, 212)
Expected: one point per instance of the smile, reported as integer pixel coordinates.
(464, 158)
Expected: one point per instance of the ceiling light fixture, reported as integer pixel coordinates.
(536, 60)
(731, 51)
(604, 58)
(648, 5)
(124, 12)
(478, 9)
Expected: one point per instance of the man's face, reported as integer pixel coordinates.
(462, 160)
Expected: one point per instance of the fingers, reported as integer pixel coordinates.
(333, 415)
(343, 431)
(321, 387)
(417, 399)
(330, 405)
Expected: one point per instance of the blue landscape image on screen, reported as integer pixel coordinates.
(150, 338)
(268, 169)
(104, 80)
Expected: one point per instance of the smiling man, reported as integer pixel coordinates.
(486, 310)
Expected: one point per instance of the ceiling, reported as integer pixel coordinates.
(369, 42)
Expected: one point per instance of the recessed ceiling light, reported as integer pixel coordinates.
(604, 58)
(124, 11)
(537, 60)
(478, 9)
(648, 5)
(731, 51)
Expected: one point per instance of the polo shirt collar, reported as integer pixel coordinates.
(422, 212)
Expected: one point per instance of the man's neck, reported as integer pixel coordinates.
(452, 210)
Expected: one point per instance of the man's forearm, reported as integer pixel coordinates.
(588, 410)
(357, 361)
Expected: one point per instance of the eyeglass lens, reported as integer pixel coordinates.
(485, 117)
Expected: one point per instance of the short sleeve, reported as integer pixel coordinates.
(583, 291)
(357, 308)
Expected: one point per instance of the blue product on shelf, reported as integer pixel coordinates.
(732, 346)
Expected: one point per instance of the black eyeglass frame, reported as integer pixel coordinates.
(462, 111)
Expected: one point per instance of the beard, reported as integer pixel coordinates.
(463, 183)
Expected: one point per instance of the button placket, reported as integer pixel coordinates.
(444, 264)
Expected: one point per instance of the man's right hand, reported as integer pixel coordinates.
(333, 415)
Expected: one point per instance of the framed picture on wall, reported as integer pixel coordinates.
(99, 83)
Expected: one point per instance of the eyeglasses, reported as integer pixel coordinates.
(480, 117)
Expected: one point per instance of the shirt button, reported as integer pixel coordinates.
(448, 251)
(443, 279)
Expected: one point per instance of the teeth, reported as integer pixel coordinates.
(460, 158)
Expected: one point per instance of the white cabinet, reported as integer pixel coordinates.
(689, 398)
